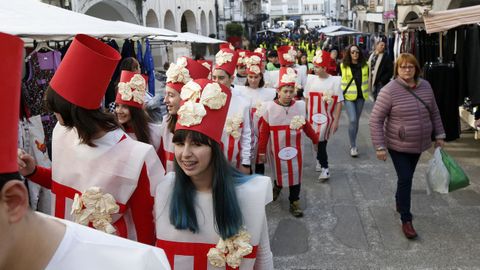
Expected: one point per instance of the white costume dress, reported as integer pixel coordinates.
(236, 137)
(257, 98)
(155, 134)
(84, 248)
(166, 150)
(323, 96)
(127, 169)
(187, 250)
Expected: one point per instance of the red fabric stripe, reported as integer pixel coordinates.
(162, 155)
(197, 250)
(170, 156)
(300, 161)
(289, 162)
(231, 146)
(63, 192)
(276, 149)
(121, 227)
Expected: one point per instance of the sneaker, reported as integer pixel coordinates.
(354, 152)
(318, 168)
(324, 175)
(276, 192)
(295, 209)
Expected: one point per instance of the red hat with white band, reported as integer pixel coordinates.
(254, 63)
(11, 51)
(204, 108)
(85, 72)
(321, 59)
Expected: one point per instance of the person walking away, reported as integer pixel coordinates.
(354, 72)
(403, 119)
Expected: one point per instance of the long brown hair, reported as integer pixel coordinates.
(172, 121)
(139, 123)
(87, 122)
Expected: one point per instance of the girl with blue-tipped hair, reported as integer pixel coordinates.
(208, 214)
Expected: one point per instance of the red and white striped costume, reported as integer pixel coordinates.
(237, 149)
(285, 144)
(320, 107)
(187, 250)
(271, 76)
(257, 98)
(126, 169)
(166, 150)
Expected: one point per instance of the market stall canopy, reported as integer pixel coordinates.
(342, 33)
(336, 28)
(279, 30)
(189, 37)
(437, 21)
(36, 20)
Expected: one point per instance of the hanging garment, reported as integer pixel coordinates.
(41, 67)
(140, 56)
(149, 68)
(444, 84)
(472, 64)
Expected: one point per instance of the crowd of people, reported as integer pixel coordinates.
(194, 185)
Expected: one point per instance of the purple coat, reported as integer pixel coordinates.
(399, 121)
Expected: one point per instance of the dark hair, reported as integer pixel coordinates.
(272, 53)
(139, 123)
(130, 64)
(227, 215)
(87, 122)
(347, 58)
(172, 121)
(5, 177)
(260, 84)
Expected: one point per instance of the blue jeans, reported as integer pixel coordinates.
(405, 164)
(354, 110)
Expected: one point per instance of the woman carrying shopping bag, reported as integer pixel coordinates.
(402, 121)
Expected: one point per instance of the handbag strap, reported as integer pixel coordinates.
(348, 85)
(419, 99)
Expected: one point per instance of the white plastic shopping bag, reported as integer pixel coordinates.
(437, 174)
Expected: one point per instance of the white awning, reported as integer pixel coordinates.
(190, 37)
(342, 33)
(437, 21)
(36, 20)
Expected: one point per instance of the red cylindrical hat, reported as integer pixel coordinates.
(321, 59)
(226, 45)
(287, 76)
(183, 71)
(204, 108)
(254, 63)
(209, 65)
(85, 72)
(131, 89)
(226, 60)
(287, 55)
(11, 51)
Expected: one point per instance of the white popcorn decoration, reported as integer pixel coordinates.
(297, 122)
(223, 57)
(290, 56)
(290, 76)
(232, 126)
(96, 207)
(190, 91)
(213, 97)
(327, 97)
(255, 69)
(135, 89)
(230, 251)
(253, 60)
(178, 73)
(318, 57)
(191, 113)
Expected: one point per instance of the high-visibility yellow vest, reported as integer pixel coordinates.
(310, 55)
(351, 92)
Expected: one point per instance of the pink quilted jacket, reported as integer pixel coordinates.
(399, 121)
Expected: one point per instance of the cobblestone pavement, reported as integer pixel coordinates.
(350, 221)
